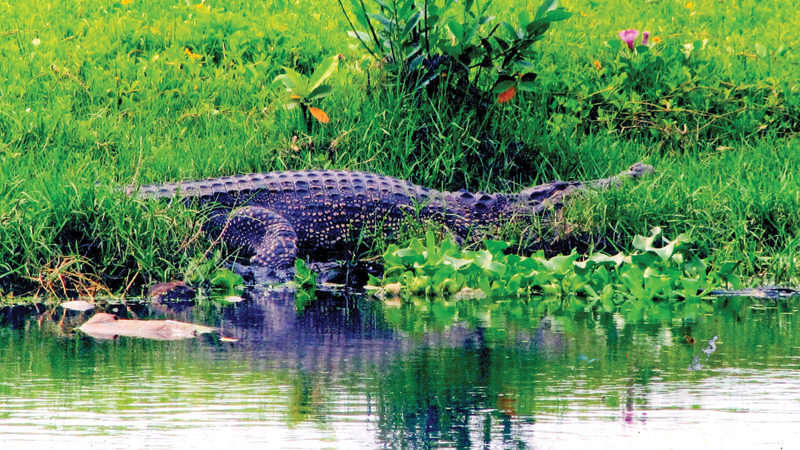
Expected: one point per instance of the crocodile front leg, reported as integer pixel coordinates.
(266, 235)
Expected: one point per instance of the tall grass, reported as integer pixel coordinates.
(96, 95)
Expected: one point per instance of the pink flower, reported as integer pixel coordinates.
(645, 37)
(628, 36)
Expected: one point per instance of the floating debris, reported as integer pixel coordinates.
(77, 305)
(109, 326)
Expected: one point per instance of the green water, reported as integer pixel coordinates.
(349, 372)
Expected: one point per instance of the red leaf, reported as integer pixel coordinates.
(319, 115)
(507, 95)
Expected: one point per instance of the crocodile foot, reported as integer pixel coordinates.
(261, 275)
(255, 275)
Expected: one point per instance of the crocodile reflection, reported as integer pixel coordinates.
(337, 331)
(338, 336)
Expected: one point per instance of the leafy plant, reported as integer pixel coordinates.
(306, 281)
(660, 270)
(407, 35)
(226, 283)
(304, 91)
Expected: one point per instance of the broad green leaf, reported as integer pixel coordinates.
(471, 32)
(496, 268)
(298, 80)
(503, 84)
(695, 267)
(385, 22)
(385, 5)
(320, 92)
(457, 29)
(483, 258)
(537, 28)
(503, 44)
(454, 51)
(514, 283)
(557, 15)
(285, 80)
(412, 22)
(690, 288)
(644, 259)
(456, 263)
(403, 8)
(584, 267)
(496, 248)
(513, 33)
(615, 45)
(560, 264)
(547, 5)
(601, 258)
(323, 71)
(365, 37)
(645, 244)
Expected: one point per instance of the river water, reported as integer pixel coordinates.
(348, 372)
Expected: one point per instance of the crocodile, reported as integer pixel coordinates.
(275, 217)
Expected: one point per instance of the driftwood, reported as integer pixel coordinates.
(109, 326)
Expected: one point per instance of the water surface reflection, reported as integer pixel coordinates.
(349, 372)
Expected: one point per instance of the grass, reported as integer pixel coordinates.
(97, 95)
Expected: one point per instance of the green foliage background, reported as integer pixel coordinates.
(94, 95)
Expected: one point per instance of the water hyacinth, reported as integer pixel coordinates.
(628, 36)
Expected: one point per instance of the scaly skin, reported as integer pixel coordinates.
(275, 216)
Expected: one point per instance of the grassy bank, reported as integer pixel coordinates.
(99, 94)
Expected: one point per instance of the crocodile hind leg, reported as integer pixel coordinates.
(266, 235)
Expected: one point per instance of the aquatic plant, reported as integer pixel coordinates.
(660, 269)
